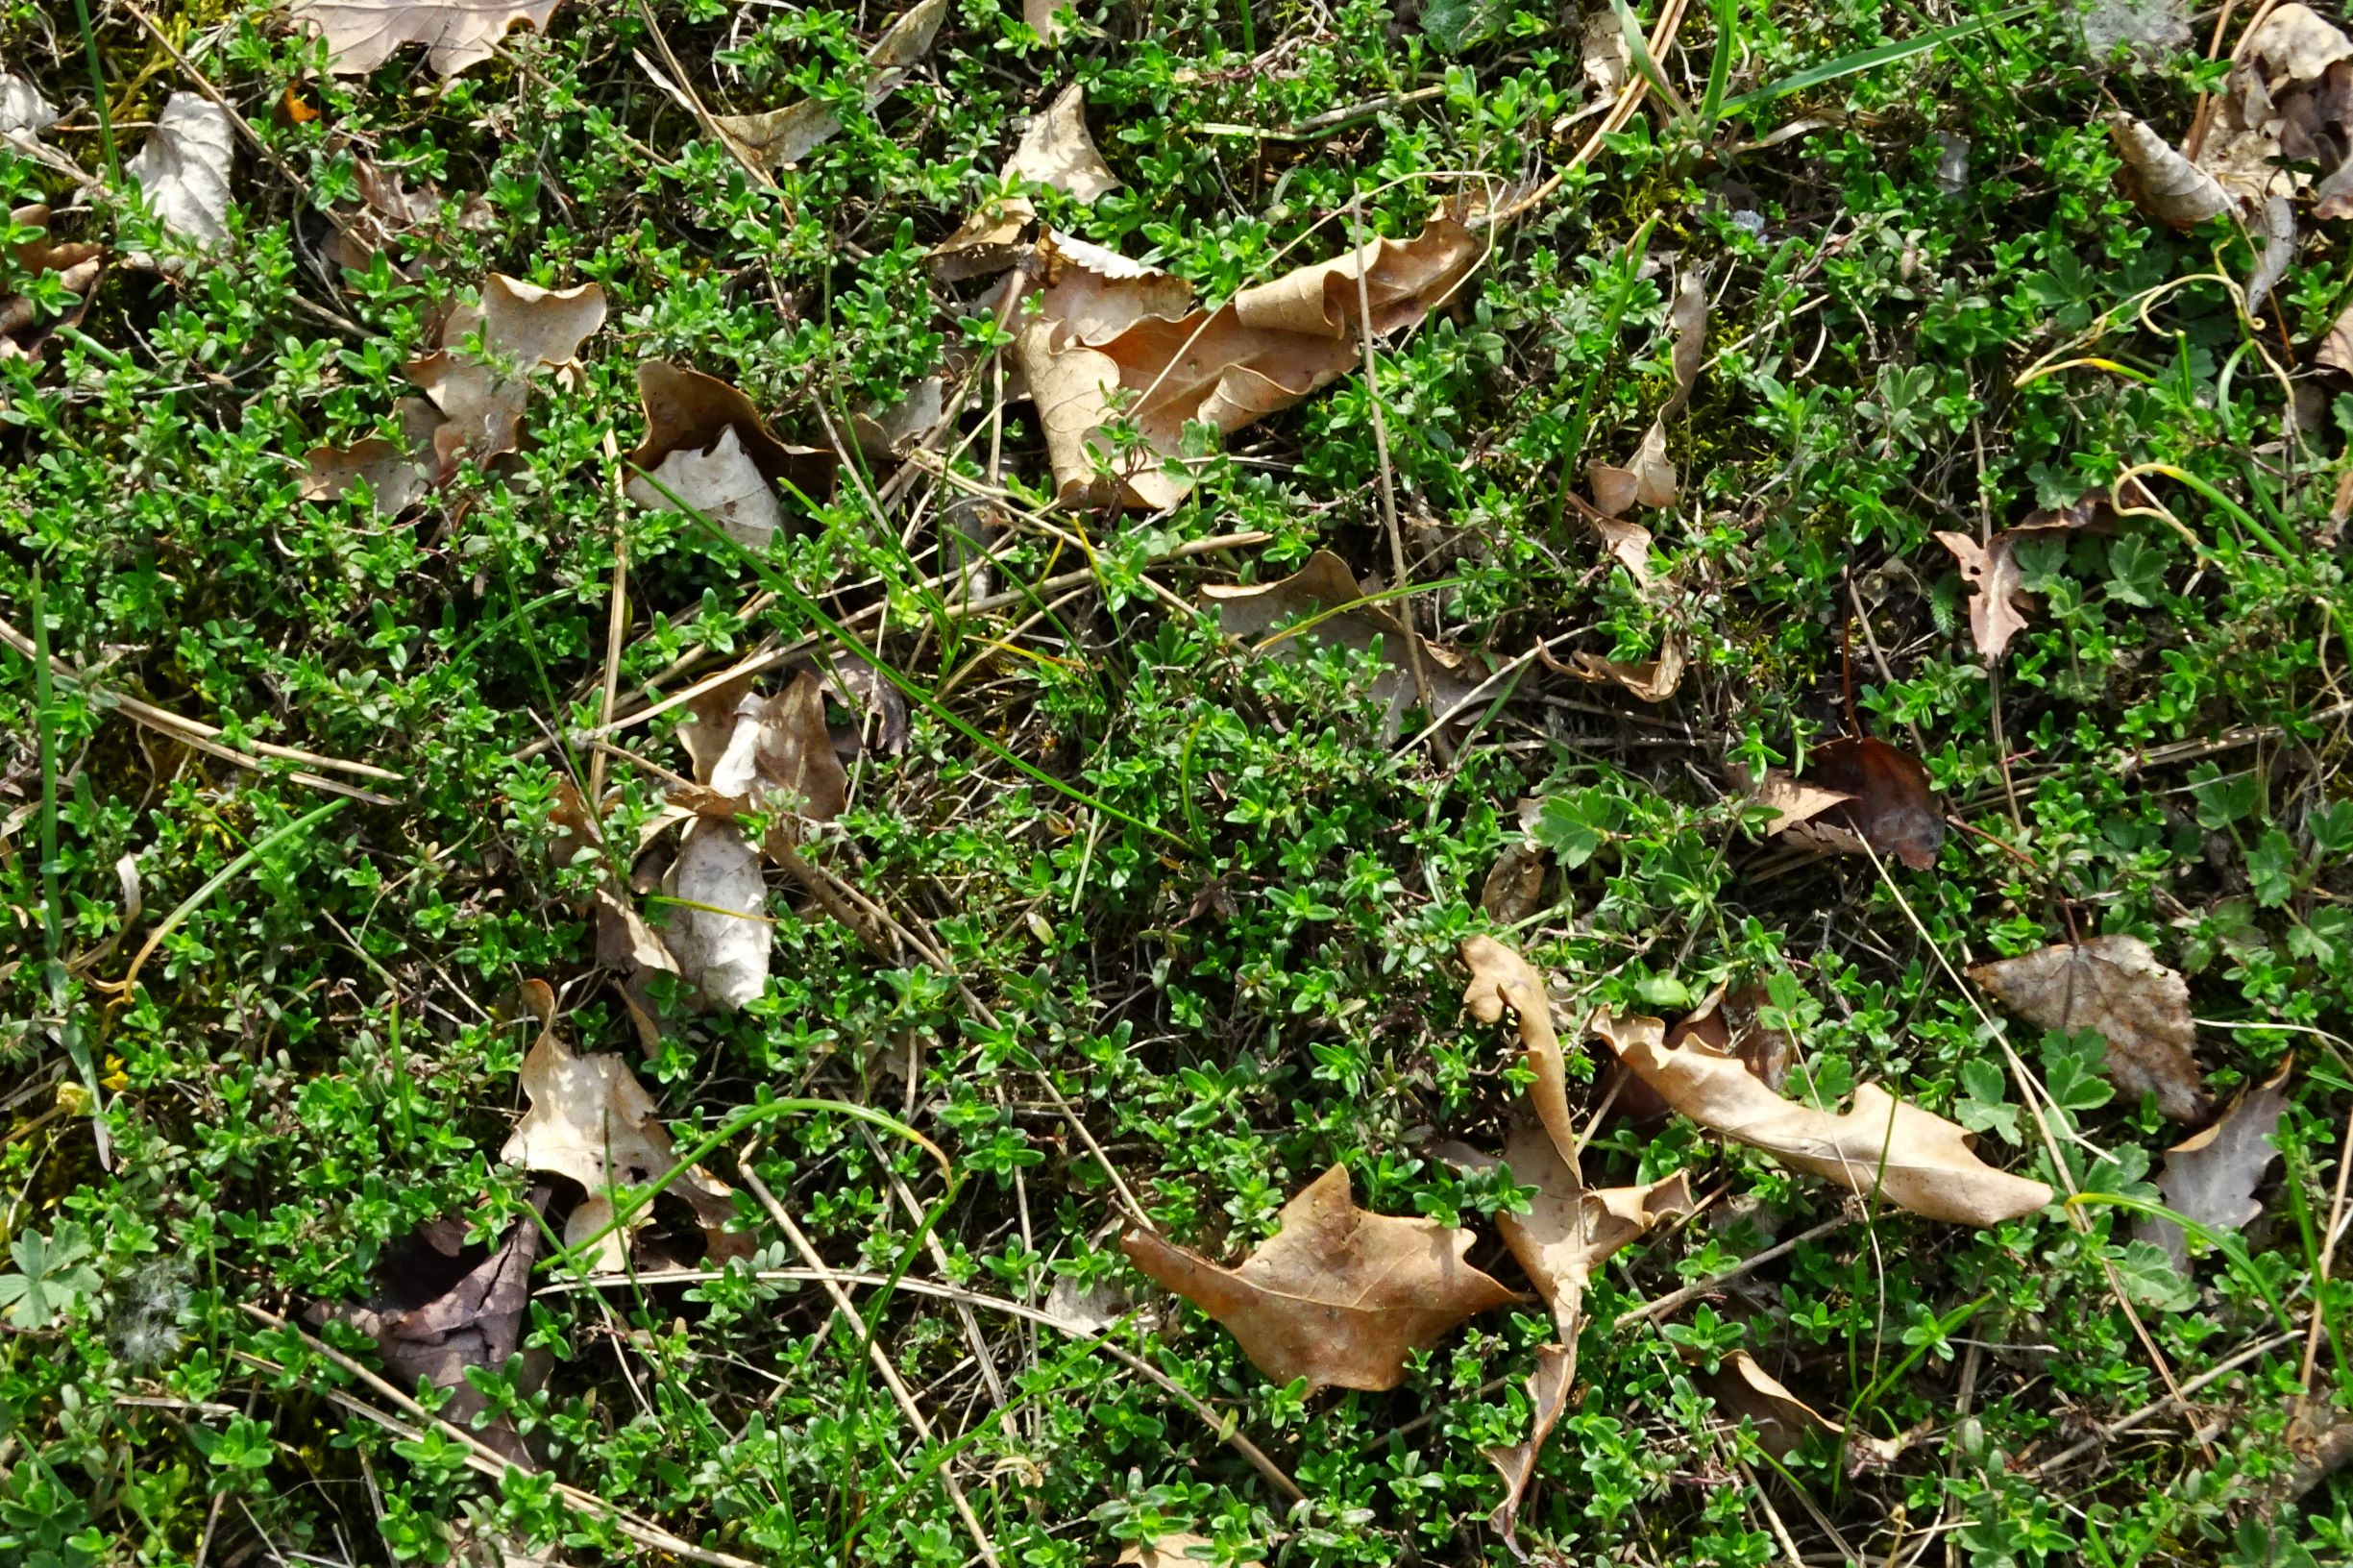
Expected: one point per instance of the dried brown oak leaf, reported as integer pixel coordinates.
(362, 35)
(1652, 680)
(1110, 330)
(482, 391)
(1057, 150)
(1917, 1161)
(1514, 885)
(1326, 591)
(1649, 478)
(708, 446)
(591, 1122)
(2165, 185)
(2116, 985)
(1336, 1295)
(77, 267)
(1568, 1233)
(2209, 1177)
(1742, 1390)
(1728, 1022)
(785, 136)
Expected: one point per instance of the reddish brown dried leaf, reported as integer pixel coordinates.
(1891, 807)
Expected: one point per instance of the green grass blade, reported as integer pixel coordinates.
(1864, 60)
(1638, 48)
(1720, 65)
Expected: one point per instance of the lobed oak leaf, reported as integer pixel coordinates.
(1338, 1296)
(1917, 1161)
(2113, 985)
(1502, 980)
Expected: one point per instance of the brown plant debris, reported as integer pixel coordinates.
(1996, 597)
(482, 393)
(592, 1122)
(1336, 1295)
(708, 446)
(1057, 150)
(1502, 980)
(362, 35)
(1881, 1145)
(1889, 805)
(1117, 341)
(2113, 985)
(781, 136)
(77, 267)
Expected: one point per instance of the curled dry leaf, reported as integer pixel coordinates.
(1654, 680)
(362, 35)
(76, 266)
(1514, 887)
(1730, 1022)
(2336, 348)
(2211, 1177)
(1326, 590)
(1649, 478)
(1056, 150)
(1568, 1233)
(481, 394)
(786, 135)
(1502, 979)
(1744, 1391)
(1917, 1161)
(706, 443)
(2116, 985)
(474, 1322)
(885, 432)
(1629, 542)
(1108, 327)
(718, 926)
(397, 473)
(2167, 186)
(1336, 1295)
(990, 241)
(183, 167)
(592, 1122)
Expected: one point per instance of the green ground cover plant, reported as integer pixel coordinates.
(1768, 401)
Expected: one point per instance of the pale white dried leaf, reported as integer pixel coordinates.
(1040, 16)
(1057, 150)
(23, 110)
(362, 35)
(718, 918)
(183, 167)
(723, 484)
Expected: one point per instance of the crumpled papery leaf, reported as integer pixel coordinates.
(1502, 979)
(1514, 885)
(1326, 584)
(770, 754)
(1652, 680)
(2168, 186)
(1107, 326)
(77, 266)
(1730, 1022)
(2211, 1177)
(708, 444)
(524, 329)
(2116, 985)
(183, 167)
(475, 1323)
(1916, 1161)
(591, 1122)
(1742, 1390)
(718, 926)
(387, 212)
(782, 137)
(1336, 1295)
(1057, 150)
(362, 35)
(1568, 1233)
(23, 110)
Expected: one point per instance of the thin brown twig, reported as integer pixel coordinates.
(1380, 447)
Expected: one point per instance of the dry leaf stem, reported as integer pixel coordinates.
(2178, 1399)
(883, 1365)
(479, 1457)
(2328, 1251)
